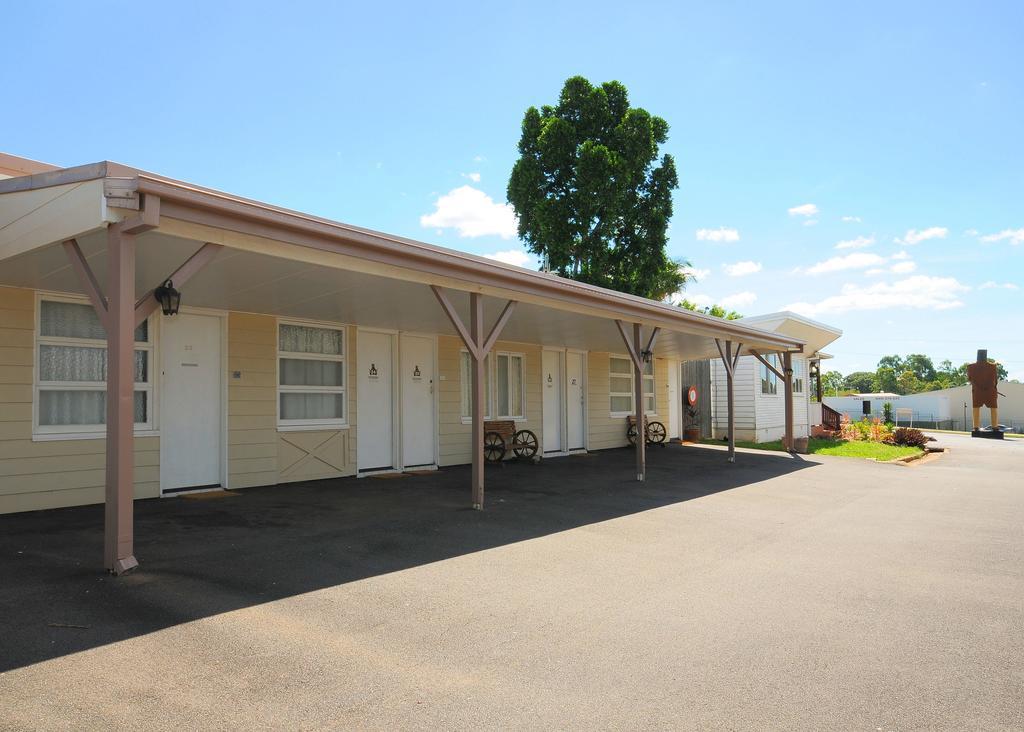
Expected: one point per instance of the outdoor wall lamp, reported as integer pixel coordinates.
(645, 356)
(168, 297)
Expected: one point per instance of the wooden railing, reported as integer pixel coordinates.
(829, 418)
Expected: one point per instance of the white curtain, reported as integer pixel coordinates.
(78, 407)
(80, 363)
(303, 339)
(312, 406)
(303, 372)
(75, 320)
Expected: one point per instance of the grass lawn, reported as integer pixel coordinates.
(843, 448)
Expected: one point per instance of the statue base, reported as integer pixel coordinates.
(988, 434)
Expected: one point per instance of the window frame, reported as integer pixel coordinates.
(798, 377)
(298, 425)
(466, 387)
(521, 417)
(651, 394)
(768, 377)
(41, 432)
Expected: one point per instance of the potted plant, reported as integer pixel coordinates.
(691, 431)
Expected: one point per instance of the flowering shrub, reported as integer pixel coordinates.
(874, 430)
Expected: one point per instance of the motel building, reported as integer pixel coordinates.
(304, 349)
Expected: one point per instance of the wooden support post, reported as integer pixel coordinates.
(478, 346)
(730, 359)
(787, 370)
(476, 331)
(637, 354)
(118, 543)
(638, 397)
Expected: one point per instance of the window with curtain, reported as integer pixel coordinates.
(71, 353)
(620, 375)
(769, 381)
(311, 375)
(509, 401)
(466, 384)
(798, 377)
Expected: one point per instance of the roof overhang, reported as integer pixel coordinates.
(816, 335)
(289, 263)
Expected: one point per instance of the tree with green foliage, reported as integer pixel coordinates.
(593, 197)
(861, 381)
(717, 310)
(832, 381)
(885, 380)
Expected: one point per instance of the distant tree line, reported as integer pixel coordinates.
(901, 375)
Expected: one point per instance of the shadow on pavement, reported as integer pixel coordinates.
(204, 557)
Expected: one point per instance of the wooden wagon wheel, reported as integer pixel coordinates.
(494, 447)
(656, 432)
(524, 444)
(631, 434)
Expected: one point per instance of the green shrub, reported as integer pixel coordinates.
(887, 413)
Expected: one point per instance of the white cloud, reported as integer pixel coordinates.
(856, 260)
(738, 300)
(811, 222)
(694, 273)
(859, 243)
(479, 158)
(472, 213)
(518, 257)
(739, 269)
(475, 177)
(902, 254)
(850, 219)
(806, 209)
(1014, 236)
(990, 285)
(732, 302)
(718, 235)
(905, 267)
(971, 232)
(916, 237)
(919, 292)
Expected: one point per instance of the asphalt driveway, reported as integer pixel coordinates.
(780, 592)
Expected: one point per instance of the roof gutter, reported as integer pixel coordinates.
(204, 206)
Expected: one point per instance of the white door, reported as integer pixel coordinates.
(575, 401)
(553, 404)
(191, 426)
(417, 379)
(675, 401)
(375, 417)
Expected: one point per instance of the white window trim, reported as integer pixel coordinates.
(798, 377)
(43, 433)
(489, 382)
(494, 383)
(764, 372)
(632, 387)
(300, 425)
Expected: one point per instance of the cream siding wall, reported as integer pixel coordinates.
(606, 431)
(257, 453)
(53, 473)
(453, 436)
(48, 474)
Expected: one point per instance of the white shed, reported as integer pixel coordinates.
(759, 393)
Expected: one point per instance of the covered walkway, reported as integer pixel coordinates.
(129, 240)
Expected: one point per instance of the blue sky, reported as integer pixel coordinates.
(894, 128)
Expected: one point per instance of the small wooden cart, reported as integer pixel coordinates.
(501, 435)
(655, 431)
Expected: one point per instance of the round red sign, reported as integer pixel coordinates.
(691, 395)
